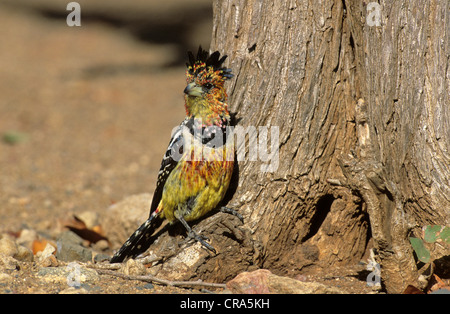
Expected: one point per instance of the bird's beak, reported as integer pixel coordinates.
(193, 90)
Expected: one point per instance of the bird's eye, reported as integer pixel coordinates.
(208, 86)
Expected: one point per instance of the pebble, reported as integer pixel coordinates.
(69, 248)
(90, 218)
(133, 267)
(46, 258)
(101, 258)
(73, 274)
(26, 238)
(8, 263)
(146, 286)
(101, 245)
(70, 237)
(7, 246)
(263, 281)
(124, 217)
(24, 254)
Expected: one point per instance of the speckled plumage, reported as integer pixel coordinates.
(197, 167)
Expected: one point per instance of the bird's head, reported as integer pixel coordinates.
(205, 95)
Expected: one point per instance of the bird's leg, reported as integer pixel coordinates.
(197, 237)
(231, 211)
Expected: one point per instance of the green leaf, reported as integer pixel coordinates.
(431, 233)
(445, 235)
(14, 137)
(421, 251)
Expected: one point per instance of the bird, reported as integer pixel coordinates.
(197, 167)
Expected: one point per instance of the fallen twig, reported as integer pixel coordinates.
(150, 278)
(105, 266)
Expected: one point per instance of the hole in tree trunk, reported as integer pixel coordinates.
(322, 209)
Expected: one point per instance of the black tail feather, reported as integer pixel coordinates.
(139, 241)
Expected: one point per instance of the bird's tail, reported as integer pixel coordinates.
(139, 241)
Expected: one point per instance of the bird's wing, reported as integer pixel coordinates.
(170, 160)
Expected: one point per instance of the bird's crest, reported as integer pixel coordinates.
(210, 62)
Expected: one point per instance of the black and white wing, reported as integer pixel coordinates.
(169, 162)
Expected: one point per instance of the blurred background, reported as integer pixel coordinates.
(86, 112)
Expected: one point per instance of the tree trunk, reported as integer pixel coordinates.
(359, 93)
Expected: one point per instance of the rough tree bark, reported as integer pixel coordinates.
(363, 115)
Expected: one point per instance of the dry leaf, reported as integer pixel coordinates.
(78, 226)
(437, 283)
(412, 290)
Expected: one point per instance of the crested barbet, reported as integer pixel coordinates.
(197, 167)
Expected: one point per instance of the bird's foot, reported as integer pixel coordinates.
(202, 239)
(197, 237)
(231, 211)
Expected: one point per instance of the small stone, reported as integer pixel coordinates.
(124, 217)
(250, 282)
(89, 218)
(46, 258)
(73, 274)
(26, 238)
(7, 246)
(101, 245)
(98, 258)
(8, 263)
(134, 268)
(70, 237)
(49, 261)
(148, 286)
(48, 250)
(24, 254)
(69, 252)
(69, 248)
(263, 281)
